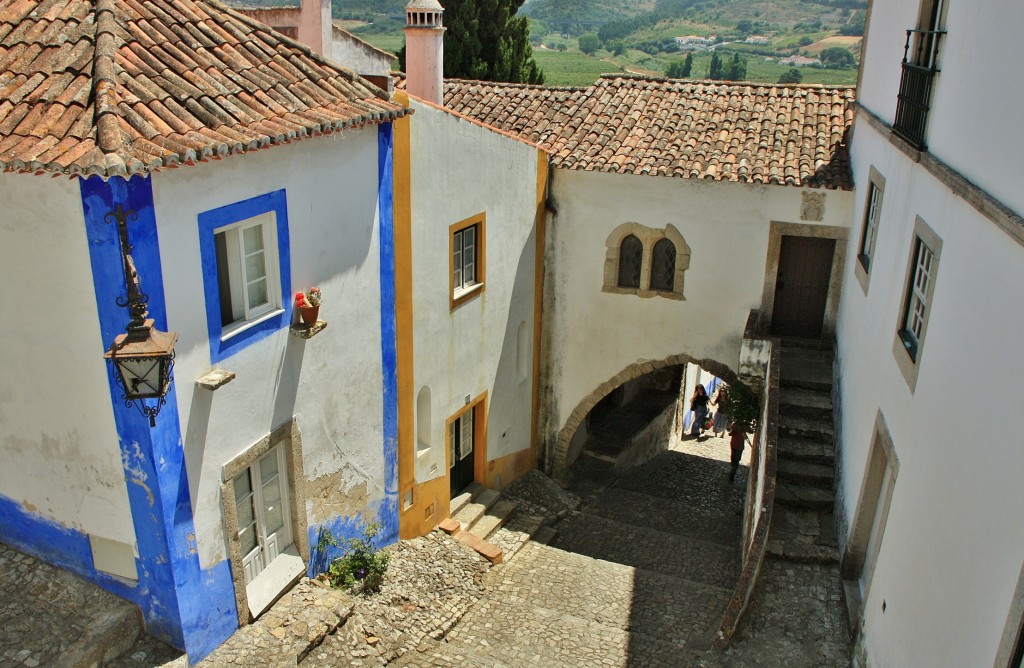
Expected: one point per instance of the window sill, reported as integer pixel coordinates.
(644, 294)
(234, 329)
(465, 294)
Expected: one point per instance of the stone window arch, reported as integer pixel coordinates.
(631, 253)
(664, 257)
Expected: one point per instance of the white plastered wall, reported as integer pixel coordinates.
(60, 452)
(970, 125)
(460, 169)
(594, 335)
(332, 383)
(950, 556)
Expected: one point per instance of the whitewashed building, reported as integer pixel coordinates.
(929, 365)
(246, 168)
(676, 209)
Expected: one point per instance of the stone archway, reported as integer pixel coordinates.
(558, 459)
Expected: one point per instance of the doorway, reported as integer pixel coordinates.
(865, 542)
(802, 286)
(264, 519)
(461, 451)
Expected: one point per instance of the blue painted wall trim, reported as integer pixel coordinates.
(209, 222)
(388, 513)
(182, 604)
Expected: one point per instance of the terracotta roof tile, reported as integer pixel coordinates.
(743, 132)
(114, 87)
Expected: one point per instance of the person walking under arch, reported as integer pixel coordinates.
(699, 408)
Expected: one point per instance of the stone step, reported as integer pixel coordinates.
(800, 402)
(459, 502)
(803, 536)
(683, 557)
(808, 369)
(487, 550)
(802, 449)
(626, 598)
(493, 519)
(538, 627)
(802, 553)
(806, 473)
(111, 633)
(544, 535)
(684, 516)
(804, 498)
(435, 653)
(798, 427)
(516, 533)
(793, 343)
(475, 509)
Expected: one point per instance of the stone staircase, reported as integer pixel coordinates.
(483, 521)
(803, 525)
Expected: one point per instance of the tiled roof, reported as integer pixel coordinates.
(116, 87)
(745, 132)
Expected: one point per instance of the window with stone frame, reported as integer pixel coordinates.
(631, 254)
(663, 265)
(918, 300)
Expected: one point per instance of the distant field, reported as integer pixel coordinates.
(390, 42)
(760, 70)
(569, 68)
(852, 43)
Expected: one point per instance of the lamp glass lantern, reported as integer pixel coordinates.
(142, 357)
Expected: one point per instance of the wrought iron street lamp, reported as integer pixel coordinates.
(143, 356)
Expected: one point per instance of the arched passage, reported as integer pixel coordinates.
(559, 453)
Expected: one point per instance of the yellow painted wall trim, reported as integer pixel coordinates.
(410, 517)
(540, 222)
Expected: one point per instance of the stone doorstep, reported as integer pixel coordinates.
(458, 503)
(494, 519)
(475, 509)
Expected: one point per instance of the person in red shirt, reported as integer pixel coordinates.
(737, 441)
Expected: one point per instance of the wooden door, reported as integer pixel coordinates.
(801, 286)
(461, 452)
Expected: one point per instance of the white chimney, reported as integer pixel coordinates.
(424, 50)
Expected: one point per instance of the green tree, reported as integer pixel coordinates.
(617, 47)
(589, 43)
(791, 76)
(486, 40)
(715, 69)
(837, 57)
(687, 67)
(736, 70)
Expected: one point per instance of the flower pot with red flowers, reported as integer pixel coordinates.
(308, 303)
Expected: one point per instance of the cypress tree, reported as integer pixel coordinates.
(486, 40)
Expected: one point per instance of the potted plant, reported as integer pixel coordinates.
(308, 303)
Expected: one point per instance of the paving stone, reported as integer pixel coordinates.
(671, 554)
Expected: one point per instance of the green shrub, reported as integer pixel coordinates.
(362, 563)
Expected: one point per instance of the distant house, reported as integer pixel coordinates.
(801, 61)
(759, 40)
(693, 42)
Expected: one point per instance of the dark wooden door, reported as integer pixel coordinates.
(801, 287)
(461, 451)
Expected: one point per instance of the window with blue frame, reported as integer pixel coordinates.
(246, 271)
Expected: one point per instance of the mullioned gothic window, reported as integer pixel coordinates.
(645, 261)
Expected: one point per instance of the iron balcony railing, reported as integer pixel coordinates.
(919, 68)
